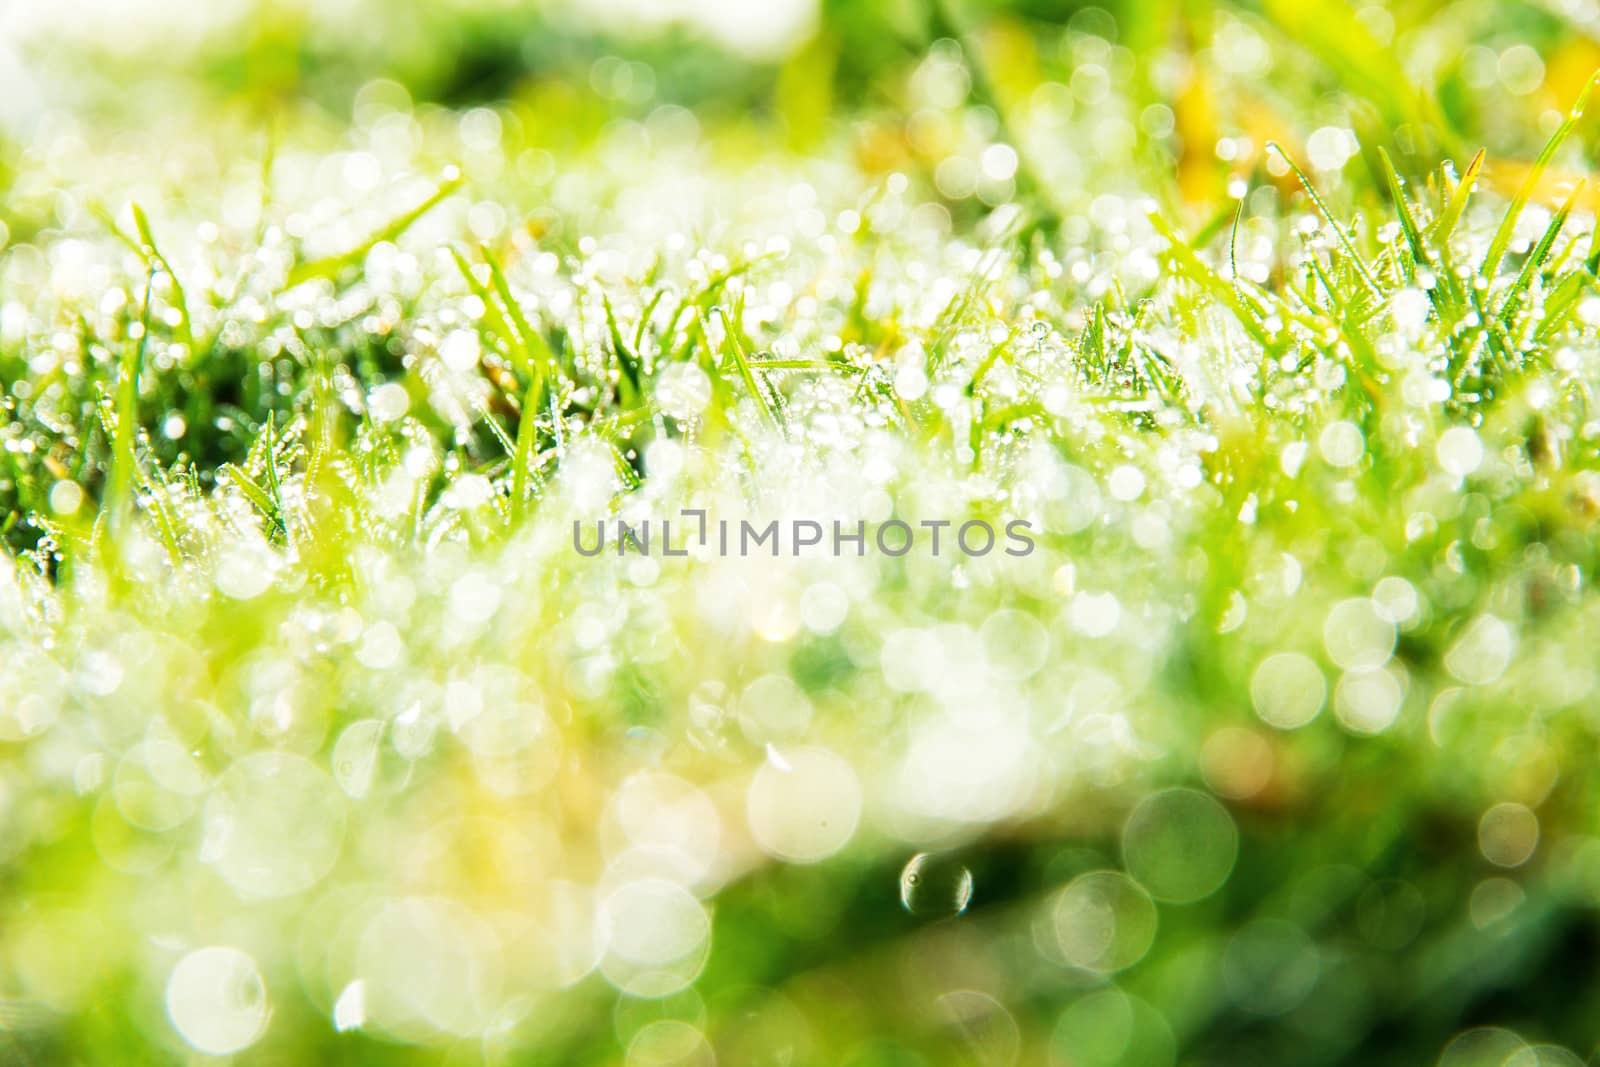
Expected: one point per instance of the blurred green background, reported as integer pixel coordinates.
(1423, 79)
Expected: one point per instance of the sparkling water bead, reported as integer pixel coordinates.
(935, 886)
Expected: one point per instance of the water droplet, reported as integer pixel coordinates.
(935, 886)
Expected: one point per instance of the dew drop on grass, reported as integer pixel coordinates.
(935, 886)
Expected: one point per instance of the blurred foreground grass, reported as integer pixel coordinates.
(320, 327)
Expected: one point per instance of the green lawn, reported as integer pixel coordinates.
(1260, 734)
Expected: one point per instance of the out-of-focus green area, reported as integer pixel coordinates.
(321, 324)
(1419, 78)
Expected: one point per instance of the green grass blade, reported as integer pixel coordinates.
(805, 364)
(273, 482)
(152, 251)
(1408, 221)
(522, 456)
(1508, 223)
(252, 491)
(119, 489)
(332, 266)
(541, 359)
(1190, 266)
(1564, 301)
(644, 320)
(734, 352)
(627, 360)
(1541, 252)
(1316, 198)
(1233, 242)
(1456, 206)
(520, 357)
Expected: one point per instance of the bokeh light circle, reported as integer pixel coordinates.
(1180, 845)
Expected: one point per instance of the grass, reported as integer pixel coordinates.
(322, 743)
